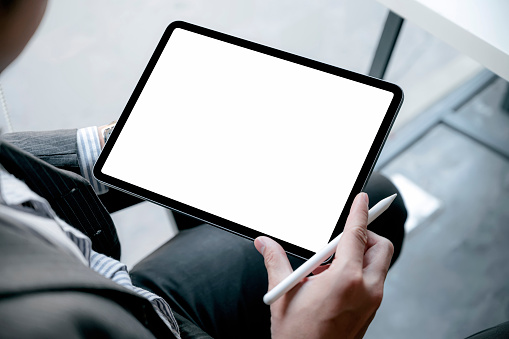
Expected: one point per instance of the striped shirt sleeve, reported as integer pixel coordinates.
(89, 149)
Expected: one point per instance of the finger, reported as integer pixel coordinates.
(320, 269)
(353, 242)
(276, 262)
(377, 258)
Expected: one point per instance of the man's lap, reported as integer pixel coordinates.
(213, 278)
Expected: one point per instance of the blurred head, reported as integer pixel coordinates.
(18, 21)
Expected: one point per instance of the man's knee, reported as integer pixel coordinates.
(391, 224)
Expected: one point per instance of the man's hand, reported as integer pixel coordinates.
(340, 301)
(100, 132)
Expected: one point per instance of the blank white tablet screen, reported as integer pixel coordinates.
(263, 142)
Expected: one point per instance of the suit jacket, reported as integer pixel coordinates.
(43, 291)
(69, 194)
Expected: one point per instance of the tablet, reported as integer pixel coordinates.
(248, 138)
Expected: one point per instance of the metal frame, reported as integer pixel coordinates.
(505, 102)
(442, 112)
(386, 44)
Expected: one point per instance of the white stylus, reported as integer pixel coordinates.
(309, 266)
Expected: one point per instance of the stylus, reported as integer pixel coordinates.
(309, 266)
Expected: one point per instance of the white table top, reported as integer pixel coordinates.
(477, 28)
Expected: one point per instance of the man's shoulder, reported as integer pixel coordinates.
(69, 314)
(40, 281)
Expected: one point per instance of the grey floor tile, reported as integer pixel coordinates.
(451, 278)
(485, 113)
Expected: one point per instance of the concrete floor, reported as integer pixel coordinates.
(83, 63)
(451, 279)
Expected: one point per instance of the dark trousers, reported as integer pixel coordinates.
(215, 280)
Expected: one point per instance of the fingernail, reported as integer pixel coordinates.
(363, 198)
(366, 198)
(261, 245)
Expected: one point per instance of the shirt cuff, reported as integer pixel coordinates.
(89, 149)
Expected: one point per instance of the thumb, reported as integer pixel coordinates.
(276, 262)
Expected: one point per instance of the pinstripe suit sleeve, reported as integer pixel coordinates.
(70, 149)
(58, 148)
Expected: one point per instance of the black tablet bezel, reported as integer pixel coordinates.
(217, 221)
